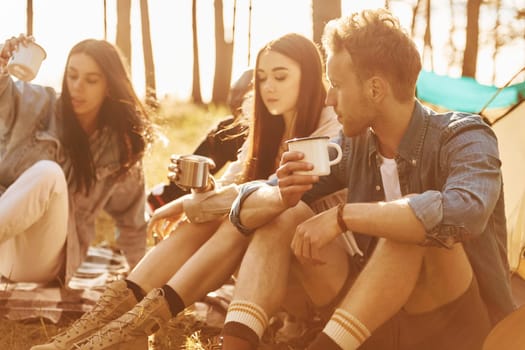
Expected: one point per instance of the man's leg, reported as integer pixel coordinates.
(264, 276)
(397, 276)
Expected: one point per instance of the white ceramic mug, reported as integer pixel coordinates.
(315, 150)
(26, 61)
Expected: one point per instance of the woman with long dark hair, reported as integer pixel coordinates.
(65, 158)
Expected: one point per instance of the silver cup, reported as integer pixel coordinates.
(194, 171)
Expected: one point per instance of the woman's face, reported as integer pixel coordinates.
(279, 82)
(87, 86)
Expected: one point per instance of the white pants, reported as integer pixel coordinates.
(33, 224)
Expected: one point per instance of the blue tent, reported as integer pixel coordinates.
(465, 94)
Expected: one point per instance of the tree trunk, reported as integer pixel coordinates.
(124, 29)
(105, 20)
(149, 66)
(415, 10)
(497, 42)
(322, 12)
(249, 62)
(453, 56)
(427, 39)
(470, 56)
(196, 87)
(29, 12)
(223, 59)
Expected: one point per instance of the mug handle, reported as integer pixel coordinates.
(339, 153)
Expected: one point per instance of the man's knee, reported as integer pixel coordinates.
(292, 217)
(285, 223)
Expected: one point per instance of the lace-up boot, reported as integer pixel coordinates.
(115, 301)
(131, 330)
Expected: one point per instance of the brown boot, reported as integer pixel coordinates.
(131, 330)
(115, 301)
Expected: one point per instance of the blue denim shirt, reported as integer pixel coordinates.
(451, 161)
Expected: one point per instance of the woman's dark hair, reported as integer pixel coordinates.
(122, 111)
(267, 131)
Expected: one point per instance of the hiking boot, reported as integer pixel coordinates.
(115, 301)
(131, 330)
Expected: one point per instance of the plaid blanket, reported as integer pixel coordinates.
(20, 301)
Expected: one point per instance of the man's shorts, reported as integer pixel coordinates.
(462, 324)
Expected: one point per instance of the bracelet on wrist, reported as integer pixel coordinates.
(340, 220)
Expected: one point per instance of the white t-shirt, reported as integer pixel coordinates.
(390, 178)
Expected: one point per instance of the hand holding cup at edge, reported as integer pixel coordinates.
(21, 57)
(173, 168)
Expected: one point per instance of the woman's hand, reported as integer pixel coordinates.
(10, 46)
(173, 168)
(165, 218)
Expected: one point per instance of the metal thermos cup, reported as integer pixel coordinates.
(194, 171)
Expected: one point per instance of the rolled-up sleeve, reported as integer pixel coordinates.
(127, 207)
(460, 211)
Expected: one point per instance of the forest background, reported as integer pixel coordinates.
(184, 54)
(191, 50)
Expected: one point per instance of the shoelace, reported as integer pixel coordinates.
(78, 325)
(136, 313)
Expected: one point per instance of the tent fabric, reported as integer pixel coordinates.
(510, 131)
(465, 94)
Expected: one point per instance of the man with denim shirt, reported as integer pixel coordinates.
(425, 205)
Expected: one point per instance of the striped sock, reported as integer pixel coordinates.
(248, 314)
(346, 330)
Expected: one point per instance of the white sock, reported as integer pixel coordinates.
(248, 314)
(346, 330)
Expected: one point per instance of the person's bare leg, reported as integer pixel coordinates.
(263, 280)
(33, 224)
(397, 276)
(403, 275)
(263, 275)
(165, 259)
(211, 265)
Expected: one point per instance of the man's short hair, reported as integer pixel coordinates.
(378, 45)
